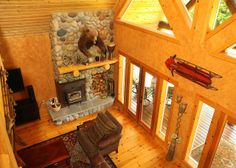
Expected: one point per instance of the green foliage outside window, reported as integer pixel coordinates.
(223, 13)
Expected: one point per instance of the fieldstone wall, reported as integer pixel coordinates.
(66, 29)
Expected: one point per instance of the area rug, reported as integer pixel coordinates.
(78, 158)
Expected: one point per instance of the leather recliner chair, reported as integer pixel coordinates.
(103, 146)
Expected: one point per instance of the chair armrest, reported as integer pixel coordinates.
(114, 120)
(109, 141)
(89, 148)
(85, 126)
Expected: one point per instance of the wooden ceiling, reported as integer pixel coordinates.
(19, 17)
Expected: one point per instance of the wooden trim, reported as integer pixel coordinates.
(171, 112)
(150, 69)
(221, 26)
(192, 128)
(224, 57)
(74, 68)
(217, 106)
(120, 77)
(214, 139)
(231, 120)
(157, 115)
(201, 20)
(127, 76)
(214, 11)
(180, 13)
(210, 138)
(147, 30)
(123, 9)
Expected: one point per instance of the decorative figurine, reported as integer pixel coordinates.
(111, 48)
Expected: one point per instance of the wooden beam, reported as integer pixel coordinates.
(211, 137)
(201, 20)
(164, 25)
(222, 37)
(214, 10)
(216, 139)
(75, 68)
(123, 8)
(178, 18)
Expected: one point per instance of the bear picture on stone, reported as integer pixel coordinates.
(90, 37)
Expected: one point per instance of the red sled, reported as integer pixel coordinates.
(192, 72)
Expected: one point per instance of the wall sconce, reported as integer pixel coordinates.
(182, 107)
(175, 136)
(179, 99)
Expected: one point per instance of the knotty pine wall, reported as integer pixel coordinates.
(24, 37)
(32, 53)
(192, 43)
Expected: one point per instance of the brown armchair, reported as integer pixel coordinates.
(100, 136)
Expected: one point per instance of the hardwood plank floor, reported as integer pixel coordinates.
(137, 149)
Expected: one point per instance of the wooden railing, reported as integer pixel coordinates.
(7, 157)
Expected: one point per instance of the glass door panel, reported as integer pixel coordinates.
(148, 99)
(202, 128)
(164, 113)
(134, 88)
(226, 152)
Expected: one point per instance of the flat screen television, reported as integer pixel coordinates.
(15, 80)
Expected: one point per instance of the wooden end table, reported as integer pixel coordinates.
(51, 154)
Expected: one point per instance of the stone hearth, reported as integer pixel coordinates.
(79, 110)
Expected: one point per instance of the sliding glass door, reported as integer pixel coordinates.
(134, 89)
(142, 95)
(148, 99)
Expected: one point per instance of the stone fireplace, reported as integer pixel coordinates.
(88, 90)
(71, 92)
(65, 33)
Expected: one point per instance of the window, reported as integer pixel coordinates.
(199, 133)
(226, 152)
(231, 51)
(148, 99)
(190, 5)
(164, 109)
(134, 88)
(149, 14)
(221, 11)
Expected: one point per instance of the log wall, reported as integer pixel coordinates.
(32, 17)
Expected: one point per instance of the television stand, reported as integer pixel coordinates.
(27, 109)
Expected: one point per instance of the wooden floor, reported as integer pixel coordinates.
(137, 147)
